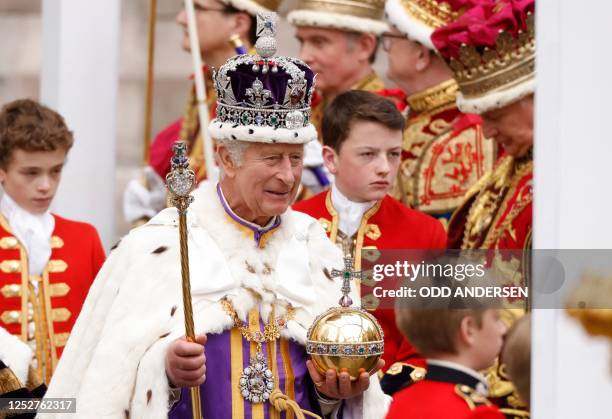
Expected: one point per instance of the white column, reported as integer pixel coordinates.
(80, 72)
(571, 377)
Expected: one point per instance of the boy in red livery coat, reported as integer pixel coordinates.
(362, 147)
(457, 343)
(47, 262)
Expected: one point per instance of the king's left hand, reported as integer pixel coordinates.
(340, 386)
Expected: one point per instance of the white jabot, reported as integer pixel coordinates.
(349, 213)
(482, 387)
(32, 230)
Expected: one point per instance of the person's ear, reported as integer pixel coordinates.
(367, 45)
(330, 159)
(242, 25)
(467, 329)
(2, 176)
(226, 162)
(423, 58)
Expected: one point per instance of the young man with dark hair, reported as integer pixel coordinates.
(362, 149)
(47, 262)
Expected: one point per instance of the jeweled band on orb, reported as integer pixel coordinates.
(345, 349)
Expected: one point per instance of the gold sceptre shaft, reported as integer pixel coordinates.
(180, 182)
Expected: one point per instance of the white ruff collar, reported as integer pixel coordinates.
(32, 230)
(349, 213)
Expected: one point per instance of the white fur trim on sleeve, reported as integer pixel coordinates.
(407, 24)
(496, 99)
(336, 21)
(15, 354)
(372, 404)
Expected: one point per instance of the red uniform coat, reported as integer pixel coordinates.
(444, 153)
(76, 257)
(445, 393)
(187, 129)
(497, 215)
(497, 212)
(387, 225)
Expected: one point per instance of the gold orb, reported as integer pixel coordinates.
(345, 339)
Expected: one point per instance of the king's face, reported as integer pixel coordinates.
(269, 177)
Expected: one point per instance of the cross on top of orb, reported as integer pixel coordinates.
(347, 274)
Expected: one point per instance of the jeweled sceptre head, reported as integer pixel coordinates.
(181, 179)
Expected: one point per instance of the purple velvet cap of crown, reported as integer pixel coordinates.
(276, 82)
(264, 100)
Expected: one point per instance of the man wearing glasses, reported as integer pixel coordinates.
(444, 151)
(223, 26)
(339, 42)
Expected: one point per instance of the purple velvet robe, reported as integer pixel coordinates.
(220, 394)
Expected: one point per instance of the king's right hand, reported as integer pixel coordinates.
(186, 362)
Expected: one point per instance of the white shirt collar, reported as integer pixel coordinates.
(482, 387)
(32, 230)
(349, 213)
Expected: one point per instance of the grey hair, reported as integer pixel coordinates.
(235, 148)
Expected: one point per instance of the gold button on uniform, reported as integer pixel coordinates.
(11, 290)
(10, 266)
(10, 316)
(8, 243)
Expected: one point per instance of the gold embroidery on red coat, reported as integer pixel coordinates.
(370, 302)
(59, 289)
(10, 266)
(57, 266)
(60, 314)
(61, 339)
(11, 290)
(326, 224)
(7, 243)
(438, 165)
(11, 316)
(56, 242)
(373, 232)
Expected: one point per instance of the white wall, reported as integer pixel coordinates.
(79, 79)
(571, 377)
